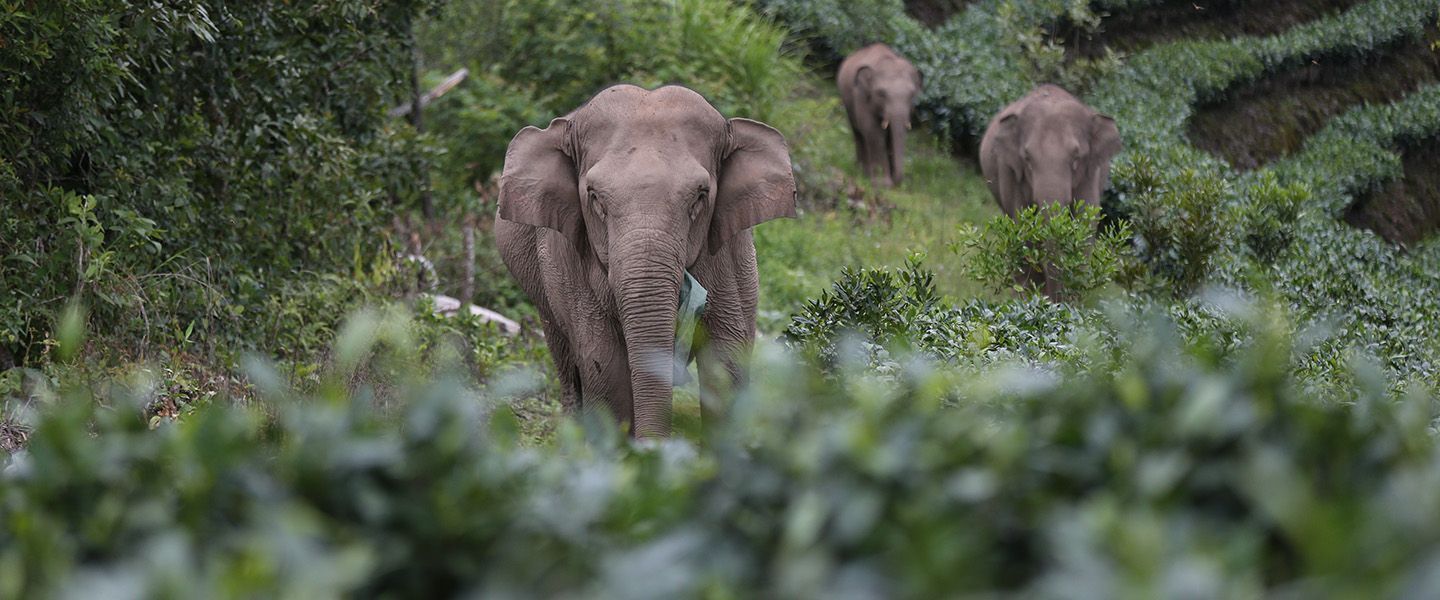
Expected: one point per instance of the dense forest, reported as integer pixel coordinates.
(257, 337)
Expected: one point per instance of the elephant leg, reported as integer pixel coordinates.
(1030, 279)
(523, 250)
(862, 157)
(604, 372)
(566, 369)
(727, 331)
(876, 154)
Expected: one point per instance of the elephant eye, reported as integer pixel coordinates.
(699, 203)
(595, 205)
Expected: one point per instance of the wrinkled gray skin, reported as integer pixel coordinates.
(879, 88)
(602, 211)
(1047, 147)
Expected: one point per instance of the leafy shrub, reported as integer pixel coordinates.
(571, 49)
(878, 312)
(1164, 458)
(474, 123)
(170, 164)
(1180, 228)
(1057, 239)
(1269, 215)
(1044, 55)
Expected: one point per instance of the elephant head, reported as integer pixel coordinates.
(888, 90)
(641, 183)
(1059, 148)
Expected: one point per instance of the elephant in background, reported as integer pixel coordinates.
(1047, 147)
(603, 212)
(878, 88)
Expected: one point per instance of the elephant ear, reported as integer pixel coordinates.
(1007, 138)
(538, 185)
(755, 183)
(1104, 138)
(865, 79)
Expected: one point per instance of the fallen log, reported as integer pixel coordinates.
(449, 307)
(449, 84)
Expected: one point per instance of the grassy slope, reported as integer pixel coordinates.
(800, 257)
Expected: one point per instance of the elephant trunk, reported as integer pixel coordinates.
(899, 129)
(645, 273)
(1052, 188)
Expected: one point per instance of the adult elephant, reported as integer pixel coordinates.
(1047, 147)
(602, 214)
(878, 88)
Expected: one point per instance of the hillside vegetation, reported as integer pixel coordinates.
(220, 378)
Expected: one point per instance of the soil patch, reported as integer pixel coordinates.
(1405, 211)
(934, 13)
(1171, 20)
(1271, 118)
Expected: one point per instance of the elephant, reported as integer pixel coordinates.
(604, 213)
(878, 88)
(1047, 147)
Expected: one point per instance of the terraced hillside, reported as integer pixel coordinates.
(1129, 29)
(1259, 121)
(1212, 77)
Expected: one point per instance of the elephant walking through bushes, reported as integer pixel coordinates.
(1045, 148)
(878, 88)
(608, 212)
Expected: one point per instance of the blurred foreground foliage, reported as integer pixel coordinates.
(1169, 465)
(1167, 440)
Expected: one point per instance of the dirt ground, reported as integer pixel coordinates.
(1408, 210)
(934, 13)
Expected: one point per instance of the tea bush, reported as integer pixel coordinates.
(1196, 221)
(1181, 228)
(1055, 239)
(1168, 467)
(872, 314)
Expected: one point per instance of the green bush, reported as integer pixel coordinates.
(1181, 226)
(474, 124)
(172, 164)
(1196, 221)
(1168, 467)
(879, 312)
(1057, 239)
(1269, 215)
(564, 51)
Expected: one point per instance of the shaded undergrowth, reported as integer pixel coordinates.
(1407, 210)
(934, 13)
